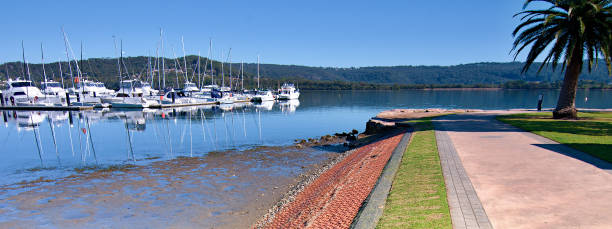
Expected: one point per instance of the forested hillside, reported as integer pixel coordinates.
(476, 74)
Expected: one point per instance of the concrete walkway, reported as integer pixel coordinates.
(523, 180)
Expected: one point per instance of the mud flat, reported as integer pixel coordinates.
(231, 189)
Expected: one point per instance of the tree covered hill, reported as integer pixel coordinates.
(106, 70)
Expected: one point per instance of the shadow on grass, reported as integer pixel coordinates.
(591, 128)
(576, 151)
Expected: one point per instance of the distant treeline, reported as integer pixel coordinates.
(477, 75)
(518, 84)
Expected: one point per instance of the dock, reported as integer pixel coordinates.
(170, 105)
(47, 108)
(81, 108)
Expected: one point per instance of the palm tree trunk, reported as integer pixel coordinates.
(566, 105)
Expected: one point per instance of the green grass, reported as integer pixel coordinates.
(418, 196)
(591, 134)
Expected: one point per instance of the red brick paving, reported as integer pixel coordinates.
(334, 198)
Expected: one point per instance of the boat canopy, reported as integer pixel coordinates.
(51, 84)
(21, 84)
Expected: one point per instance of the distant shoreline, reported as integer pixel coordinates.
(452, 89)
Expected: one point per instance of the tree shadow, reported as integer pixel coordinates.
(576, 151)
(482, 123)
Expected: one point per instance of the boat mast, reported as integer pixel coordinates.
(59, 62)
(150, 70)
(222, 73)
(23, 66)
(229, 57)
(42, 57)
(80, 76)
(72, 52)
(176, 66)
(184, 59)
(199, 73)
(212, 74)
(68, 58)
(242, 75)
(257, 72)
(121, 60)
(163, 58)
(27, 67)
(42, 54)
(157, 68)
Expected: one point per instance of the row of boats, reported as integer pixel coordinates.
(132, 94)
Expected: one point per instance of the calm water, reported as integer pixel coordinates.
(34, 144)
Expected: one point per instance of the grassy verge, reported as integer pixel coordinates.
(418, 196)
(591, 134)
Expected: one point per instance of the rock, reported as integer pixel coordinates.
(374, 126)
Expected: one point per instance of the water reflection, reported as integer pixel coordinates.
(111, 136)
(37, 143)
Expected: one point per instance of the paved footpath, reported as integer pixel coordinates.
(521, 180)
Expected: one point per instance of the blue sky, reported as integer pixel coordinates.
(313, 33)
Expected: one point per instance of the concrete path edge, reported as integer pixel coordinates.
(465, 207)
(372, 208)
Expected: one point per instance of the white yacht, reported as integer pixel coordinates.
(103, 91)
(146, 88)
(130, 96)
(288, 92)
(52, 88)
(85, 87)
(180, 97)
(209, 88)
(21, 92)
(190, 88)
(225, 89)
(262, 96)
(227, 99)
(129, 88)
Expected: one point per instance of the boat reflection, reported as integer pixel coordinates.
(289, 106)
(265, 105)
(116, 136)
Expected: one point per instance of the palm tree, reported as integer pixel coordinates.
(573, 27)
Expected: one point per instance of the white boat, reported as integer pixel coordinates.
(226, 100)
(85, 87)
(190, 88)
(103, 91)
(288, 91)
(262, 96)
(179, 97)
(129, 88)
(53, 88)
(21, 92)
(209, 88)
(146, 88)
(225, 89)
(130, 96)
(133, 102)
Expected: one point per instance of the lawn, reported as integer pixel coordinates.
(418, 196)
(591, 133)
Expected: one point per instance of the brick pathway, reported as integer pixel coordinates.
(466, 209)
(334, 198)
(522, 180)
